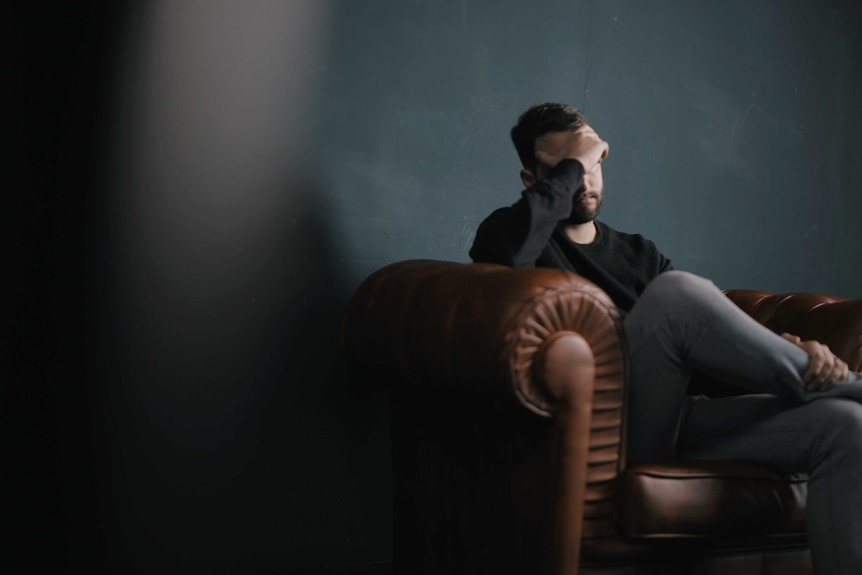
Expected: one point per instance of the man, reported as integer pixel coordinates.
(806, 410)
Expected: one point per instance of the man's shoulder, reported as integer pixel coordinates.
(498, 216)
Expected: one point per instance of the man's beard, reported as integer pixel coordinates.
(581, 213)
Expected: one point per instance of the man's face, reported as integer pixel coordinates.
(587, 201)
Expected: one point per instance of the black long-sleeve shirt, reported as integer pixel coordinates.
(530, 233)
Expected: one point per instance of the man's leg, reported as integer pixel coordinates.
(683, 322)
(822, 438)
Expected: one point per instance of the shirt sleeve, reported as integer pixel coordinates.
(516, 236)
(664, 263)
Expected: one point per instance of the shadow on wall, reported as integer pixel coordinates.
(221, 435)
(230, 441)
(331, 446)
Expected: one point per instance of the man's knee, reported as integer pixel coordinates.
(838, 424)
(675, 287)
(844, 416)
(677, 281)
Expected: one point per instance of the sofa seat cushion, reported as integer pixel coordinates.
(711, 499)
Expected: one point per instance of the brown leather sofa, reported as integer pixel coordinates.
(508, 399)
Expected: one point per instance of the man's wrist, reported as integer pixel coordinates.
(567, 175)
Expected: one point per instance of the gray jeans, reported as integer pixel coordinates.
(683, 323)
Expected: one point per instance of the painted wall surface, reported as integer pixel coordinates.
(204, 183)
(731, 127)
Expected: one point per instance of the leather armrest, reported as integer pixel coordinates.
(835, 321)
(458, 328)
(464, 341)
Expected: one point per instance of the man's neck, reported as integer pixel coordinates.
(582, 233)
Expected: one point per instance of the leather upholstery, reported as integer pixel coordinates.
(711, 499)
(507, 391)
(831, 320)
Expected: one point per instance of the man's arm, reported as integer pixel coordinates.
(515, 236)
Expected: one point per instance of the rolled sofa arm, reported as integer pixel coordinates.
(477, 328)
(835, 321)
(474, 340)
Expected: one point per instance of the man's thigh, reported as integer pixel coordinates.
(760, 429)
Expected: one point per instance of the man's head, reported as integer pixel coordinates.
(549, 127)
(539, 120)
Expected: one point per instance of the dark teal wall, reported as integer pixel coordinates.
(203, 184)
(731, 126)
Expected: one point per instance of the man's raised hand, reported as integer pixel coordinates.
(582, 144)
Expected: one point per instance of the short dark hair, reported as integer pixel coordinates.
(539, 120)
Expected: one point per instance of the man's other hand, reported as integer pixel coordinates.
(825, 368)
(582, 144)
